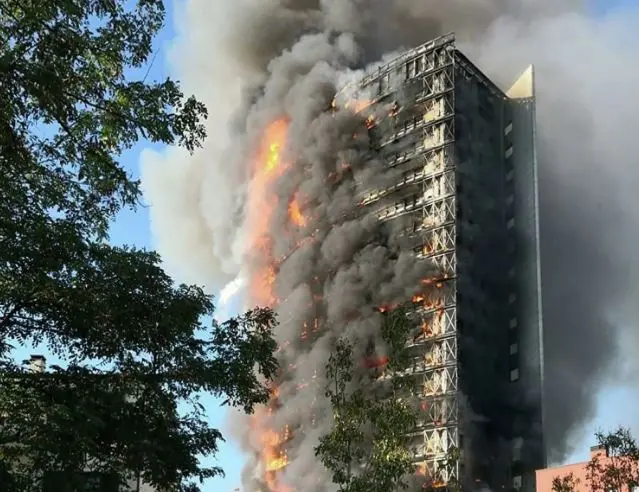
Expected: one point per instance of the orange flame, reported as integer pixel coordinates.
(375, 362)
(275, 464)
(262, 203)
(387, 308)
(274, 460)
(370, 122)
(295, 214)
(358, 105)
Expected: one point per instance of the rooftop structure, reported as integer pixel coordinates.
(465, 200)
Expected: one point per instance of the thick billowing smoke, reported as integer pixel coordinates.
(254, 61)
(588, 175)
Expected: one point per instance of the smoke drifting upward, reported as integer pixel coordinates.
(257, 63)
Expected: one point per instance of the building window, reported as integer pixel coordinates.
(512, 298)
(414, 67)
(384, 83)
(509, 152)
(512, 272)
(511, 223)
(514, 375)
(514, 348)
(508, 129)
(510, 199)
(510, 175)
(513, 322)
(517, 481)
(518, 444)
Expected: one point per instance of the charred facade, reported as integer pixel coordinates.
(465, 200)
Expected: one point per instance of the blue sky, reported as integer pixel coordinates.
(132, 228)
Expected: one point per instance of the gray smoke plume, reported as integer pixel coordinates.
(254, 61)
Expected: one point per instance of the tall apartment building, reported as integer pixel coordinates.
(466, 200)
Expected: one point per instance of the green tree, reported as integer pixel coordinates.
(70, 105)
(568, 483)
(619, 467)
(616, 468)
(367, 448)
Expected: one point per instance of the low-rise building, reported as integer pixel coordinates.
(579, 474)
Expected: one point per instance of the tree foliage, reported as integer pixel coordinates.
(134, 346)
(616, 468)
(568, 483)
(621, 468)
(367, 448)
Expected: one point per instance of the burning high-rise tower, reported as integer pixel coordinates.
(434, 175)
(274, 203)
(466, 200)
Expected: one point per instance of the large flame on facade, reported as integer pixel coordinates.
(269, 165)
(283, 219)
(261, 205)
